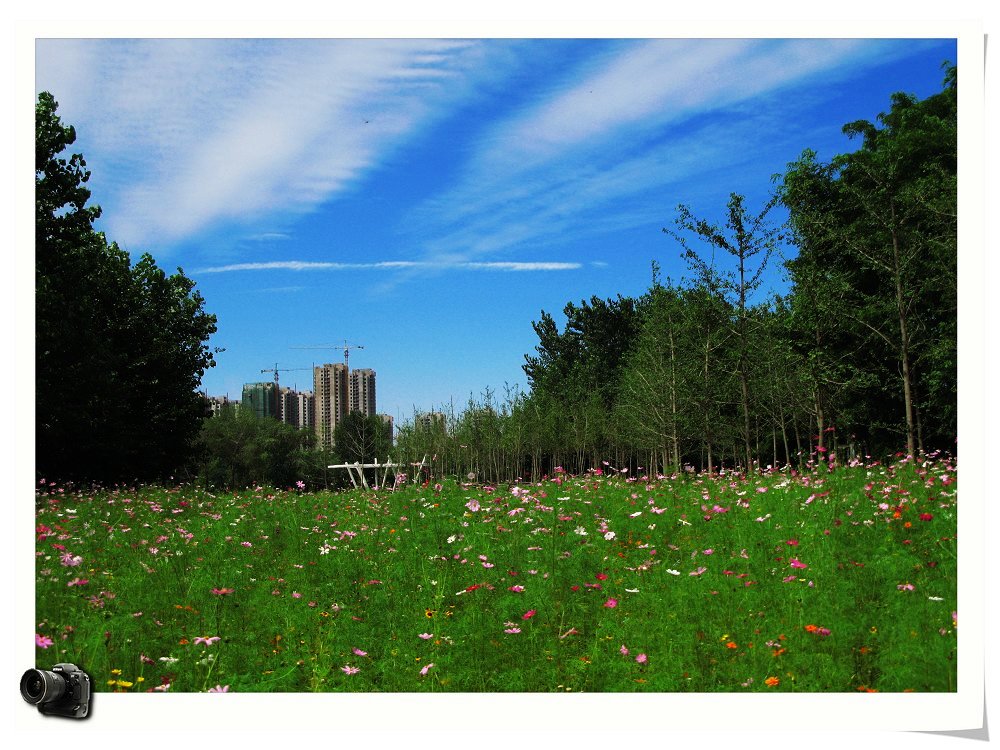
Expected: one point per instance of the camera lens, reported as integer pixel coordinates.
(42, 686)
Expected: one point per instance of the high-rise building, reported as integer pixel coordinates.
(306, 410)
(431, 420)
(261, 399)
(288, 406)
(362, 383)
(387, 424)
(331, 401)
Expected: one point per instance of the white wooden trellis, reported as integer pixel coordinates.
(360, 467)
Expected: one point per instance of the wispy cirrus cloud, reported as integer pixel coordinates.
(188, 135)
(603, 150)
(398, 265)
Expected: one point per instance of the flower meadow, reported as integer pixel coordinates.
(833, 579)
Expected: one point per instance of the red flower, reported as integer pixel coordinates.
(926, 516)
(528, 615)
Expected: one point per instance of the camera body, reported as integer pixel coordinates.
(63, 691)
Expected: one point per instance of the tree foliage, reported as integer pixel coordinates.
(120, 348)
(237, 449)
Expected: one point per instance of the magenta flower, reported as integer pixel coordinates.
(529, 614)
(611, 603)
(796, 563)
(222, 592)
(300, 484)
(517, 589)
(641, 658)
(70, 560)
(78, 582)
(42, 641)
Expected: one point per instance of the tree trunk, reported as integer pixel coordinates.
(904, 341)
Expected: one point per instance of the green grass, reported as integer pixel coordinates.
(315, 576)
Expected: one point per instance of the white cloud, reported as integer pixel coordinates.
(601, 150)
(184, 134)
(298, 265)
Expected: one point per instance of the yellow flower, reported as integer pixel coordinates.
(116, 671)
(140, 679)
(124, 683)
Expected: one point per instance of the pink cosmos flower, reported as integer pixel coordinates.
(796, 563)
(222, 592)
(641, 658)
(219, 689)
(697, 571)
(792, 542)
(611, 603)
(348, 669)
(623, 650)
(42, 641)
(359, 652)
(78, 582)
(512, 631)
(426, 636)
(529, 614)
(70, 560)
(207, 640)
(424, 670)
(517, 589)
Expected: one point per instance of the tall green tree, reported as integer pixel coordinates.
(120, 349)
(883, 219)
(750, 240)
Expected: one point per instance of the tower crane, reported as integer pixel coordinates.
(346, 347)
(275, 370)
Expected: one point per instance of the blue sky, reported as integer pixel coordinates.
(428, 198)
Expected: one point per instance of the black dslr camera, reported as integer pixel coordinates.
(65, 691)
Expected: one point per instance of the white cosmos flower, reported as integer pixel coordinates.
(580, 530)
(673, 572)
(609, 535)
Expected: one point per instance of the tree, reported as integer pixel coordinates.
(361, 439)
(883, 221)
(237, 449)
(746, 237)
(120, 349)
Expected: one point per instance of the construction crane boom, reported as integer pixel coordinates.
(346, 347)
(275, 370)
